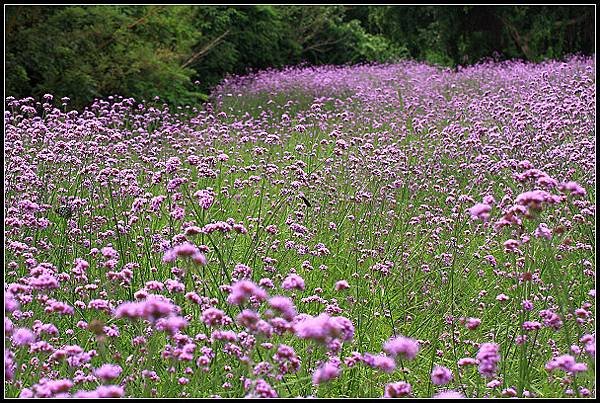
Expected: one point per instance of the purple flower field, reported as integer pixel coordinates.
(393, 230)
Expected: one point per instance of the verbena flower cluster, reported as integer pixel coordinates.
(395, 230)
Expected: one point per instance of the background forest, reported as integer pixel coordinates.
(180, 52)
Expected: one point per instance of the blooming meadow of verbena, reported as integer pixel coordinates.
(366, 231)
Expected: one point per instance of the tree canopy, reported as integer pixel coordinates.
(180, 52)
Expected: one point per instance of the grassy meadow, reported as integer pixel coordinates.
(363, 231)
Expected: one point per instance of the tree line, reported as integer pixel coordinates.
(180, 52)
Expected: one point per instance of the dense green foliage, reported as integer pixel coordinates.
(180, 52)
(466, 34)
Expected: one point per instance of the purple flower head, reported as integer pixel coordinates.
(261, 389)
(293, 281)
(206, 198)
(551, 319)
(566, 363)
(346, 332)
(10, 302)
(380, 361)
(324, 328)
(542, 231)
(214, 317)
(284, 305)
(108, 372)
(480, 211)
(502, 297)
(488, 357)
(9, 364)
(441, 375)
(397, 389)
(152, 308)
(325, 373)
(248, 318)
(171, 324)
(109, 252)
(341, 285)
(536, 198)
(243, 290)
(449, 394)
(316, 328)
(57, 386)
(473, 323)
(402, 347)
(529, 325)
(185, 250)
(22, 337)
(527, 305)
(573, 188)
(110, 391)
